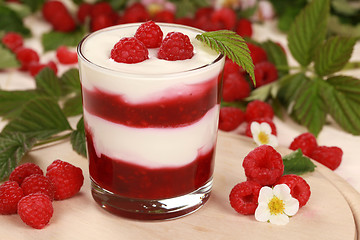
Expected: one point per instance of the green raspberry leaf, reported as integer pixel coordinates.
(13, 147)
(48, 83)
(73, 106)
(342, 98)
(71, 81)
(308, 31)
(333, 55)
(53, 40)
(8, 59)
(12, 102)
(186, 7)
(10, 21)
(277, 56)
(309, 108)
(297, 163)
(34, 5)
(230, 45)
(290, 86)
(40, 118)
(77, 138)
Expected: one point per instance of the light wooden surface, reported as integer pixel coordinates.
(328, 215)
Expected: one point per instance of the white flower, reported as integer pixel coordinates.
(276, 205)
(261, 133)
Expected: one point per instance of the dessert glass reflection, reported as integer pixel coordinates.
(151, 127)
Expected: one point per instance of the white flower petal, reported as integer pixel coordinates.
(291, 207)
(265, 195)
(273, 141)
(282, 191)
(279, 219)
(262, 213)
(265, 127)
(255, 128)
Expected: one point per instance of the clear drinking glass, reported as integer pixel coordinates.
(151, 127)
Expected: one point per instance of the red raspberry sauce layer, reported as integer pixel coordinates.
(172, 111)
(134, 181)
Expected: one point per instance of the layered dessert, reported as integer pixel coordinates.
(151, 126)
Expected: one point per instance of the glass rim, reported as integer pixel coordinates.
(87, 61)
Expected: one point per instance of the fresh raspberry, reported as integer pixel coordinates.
(136, 13)
(265, 72)
(100, 22)
(164, 16)
(63, 22)
(244, 197)
(261, 120)
(10, 195)
(129, 50)
(244, 28)
(306, 142)
(176, 46)
(101, 8)
(83, 12)
(204, 12)
(224, 18)
(187, 21)
(331, 157)
(67, 179)
(26, 57)
(230, 118)
(299, 188)
(149, 34)
(203, 19)
(235, 87)
(13, 41)
(258, 54)
(66, 56)
(35, 210)
(24, 170)
(38, 183)
(258, 109)
(230, 67)
(35, 68)
(57, 14)
(51, 7)
(263, 165)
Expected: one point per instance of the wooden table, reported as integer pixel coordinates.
(331, 213)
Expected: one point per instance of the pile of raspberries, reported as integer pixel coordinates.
(264, 167)
(258, 111)
(30, 193)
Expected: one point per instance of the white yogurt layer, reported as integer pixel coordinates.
(150, 79)
(154, 147)
(97, 48)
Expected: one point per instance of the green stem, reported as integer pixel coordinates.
(53, 139)
(285, 67)
(351, 66)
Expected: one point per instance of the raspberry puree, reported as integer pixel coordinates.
(167, 112)
(135, 181)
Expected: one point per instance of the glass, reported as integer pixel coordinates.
(150, 131)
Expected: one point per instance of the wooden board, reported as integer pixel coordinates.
(329, 214)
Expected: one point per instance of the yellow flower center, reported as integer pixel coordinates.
(276, 206)
(263, 138)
